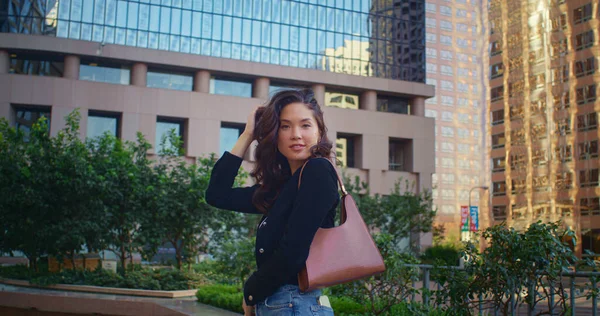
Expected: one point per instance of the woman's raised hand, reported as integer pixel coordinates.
(249, 130)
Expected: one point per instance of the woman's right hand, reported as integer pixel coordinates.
(249, 130)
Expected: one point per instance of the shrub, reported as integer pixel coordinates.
(228, 297)
(140, 278)
(444, 254)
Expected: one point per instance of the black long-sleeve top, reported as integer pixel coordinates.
(284, 235)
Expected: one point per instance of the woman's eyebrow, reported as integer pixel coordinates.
(288, 121)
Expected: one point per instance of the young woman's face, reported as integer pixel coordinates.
(298, 132)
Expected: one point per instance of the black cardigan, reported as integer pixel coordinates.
(284, 235)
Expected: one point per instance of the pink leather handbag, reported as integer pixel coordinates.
(343, 253)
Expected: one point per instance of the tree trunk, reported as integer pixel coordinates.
(178, 257)
(73, 260)
(84, 263)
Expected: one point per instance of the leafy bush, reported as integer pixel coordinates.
(444, 254)
(228, 297)
(146, 279)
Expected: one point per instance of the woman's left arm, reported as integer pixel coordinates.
(317, 194)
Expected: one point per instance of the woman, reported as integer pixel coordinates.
(290, 130)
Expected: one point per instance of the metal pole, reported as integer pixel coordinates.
(595, 298)
(573, 295)
(426, 287)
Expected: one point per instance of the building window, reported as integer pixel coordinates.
(447, 100)
(446, 25)
(559, 22)
(585, 67)
(104, 72)
(498, 141)
(463, 28)
(448, 194)
(463, 57)
(398, 149)
(276, 87)
(26, 116)
(431, 52)
(224, 86)
(24, 64)
(430, 22)
(164, 126)
(430, 113)
(430, 7)
(228, 136)
(463, 164)
(342, 100)
(173, 81)
(446, 55)
(430, 37)
(588, 150)
(100, 123)
(447, 162)
(463, 87)
(563, 153)
(447, 117)
(587, 122)
(497, 93)
(588, 178)
(447, 131)
(499, 188)
(496, 70)
(447, 70)
(447, 85)
(586, 94)
(463, 133)
(447, 147)
(463, 72)
(584, 40)
(461, 42)
(498, 117)
(461, 13)
(431, 68)
(495, 48)
(499, 212)
(446, 40)
(463, 117)
(447, 178)
(582, 14)
(346, 150)
(393, 105)
(444, 10)
(590, 206)
(498, 164)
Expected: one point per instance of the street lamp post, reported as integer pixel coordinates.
(471, 191)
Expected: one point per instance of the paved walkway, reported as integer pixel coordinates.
(187, 305)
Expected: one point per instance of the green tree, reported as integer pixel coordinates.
(531, 262)
(400, 213)
(126, 193)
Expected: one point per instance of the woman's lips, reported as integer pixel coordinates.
(297, 147)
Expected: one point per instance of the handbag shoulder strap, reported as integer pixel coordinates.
(342, 187)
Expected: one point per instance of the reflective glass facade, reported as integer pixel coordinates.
(545, 81)
(104, 73)
(362, 37)
(25, 117)
(163, 128)
(99, 124)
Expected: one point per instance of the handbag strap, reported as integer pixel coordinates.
(343, 188)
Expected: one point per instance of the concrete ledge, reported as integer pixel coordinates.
(64, 305)
(104, 290)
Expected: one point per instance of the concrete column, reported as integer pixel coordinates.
(202, 81)
(4, 62)
(368, 100)
(260, 89)
(71, 67)
(418, 106)
(319, 90)
(139, 72)
(6, 112)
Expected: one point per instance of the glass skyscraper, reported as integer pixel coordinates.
(368, 38)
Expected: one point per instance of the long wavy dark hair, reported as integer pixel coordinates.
(272, 169)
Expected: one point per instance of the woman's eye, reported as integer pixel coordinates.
(284, 127)
(306, 125)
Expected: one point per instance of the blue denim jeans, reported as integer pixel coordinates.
(289, 301)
